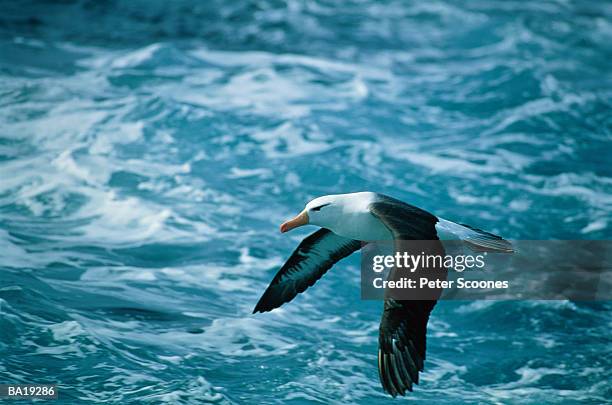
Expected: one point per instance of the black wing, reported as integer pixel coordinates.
(313, 257)
(401, 344)
(403, 326)
(405, 221)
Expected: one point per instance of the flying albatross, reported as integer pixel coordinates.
(348, 222)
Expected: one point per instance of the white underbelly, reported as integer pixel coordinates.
(363, 226)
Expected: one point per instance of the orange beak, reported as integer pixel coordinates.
(301, 219)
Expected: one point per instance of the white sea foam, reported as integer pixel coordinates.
(141, 186)
(70, 339)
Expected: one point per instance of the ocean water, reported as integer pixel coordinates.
(150, 149)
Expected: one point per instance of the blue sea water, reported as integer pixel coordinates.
(150, 149)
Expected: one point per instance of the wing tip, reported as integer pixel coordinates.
(269, 302)
(395, 381)
(261, 308)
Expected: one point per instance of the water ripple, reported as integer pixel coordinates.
(148, 151)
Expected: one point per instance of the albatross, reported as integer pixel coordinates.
(347, 223)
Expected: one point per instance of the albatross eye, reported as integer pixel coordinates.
(319, 207)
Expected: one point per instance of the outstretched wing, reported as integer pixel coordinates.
(403, 326)
(401, 344)
(313, 257)
(405, 221)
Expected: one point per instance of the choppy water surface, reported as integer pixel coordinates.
(148, 152)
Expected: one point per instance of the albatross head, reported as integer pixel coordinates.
(322, 211)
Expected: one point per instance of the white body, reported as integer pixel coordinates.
(348, 215)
